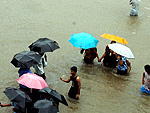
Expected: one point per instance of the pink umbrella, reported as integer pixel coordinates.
(32, 81)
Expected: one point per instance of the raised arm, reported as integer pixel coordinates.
(82, 50)
(67, 81)
(2, 105)
(45, 56)
(96, 54)
(102, 57)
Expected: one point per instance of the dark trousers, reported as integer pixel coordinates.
(88, 60)
(121, 72)
(110, 61)
(106, 60)
(73, 92)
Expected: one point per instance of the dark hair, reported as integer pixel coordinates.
(113, 42)
(41, 54)
(92, 49)
(147, 68)
(82, 50)
(74, 68)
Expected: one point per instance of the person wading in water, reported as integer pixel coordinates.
(74, 91)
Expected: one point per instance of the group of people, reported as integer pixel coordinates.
(36, 95)
(38, 70)
(32, 93)
(110, 59)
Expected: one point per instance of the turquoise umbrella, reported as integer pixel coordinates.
(83, 40)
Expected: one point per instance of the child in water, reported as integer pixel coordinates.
(146, 80)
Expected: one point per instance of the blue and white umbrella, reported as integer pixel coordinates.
(83, 40)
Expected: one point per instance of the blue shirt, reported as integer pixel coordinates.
(124, 66)
(22, 71)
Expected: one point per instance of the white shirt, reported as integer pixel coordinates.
(147, 81)
(135, 7)
(39, 68)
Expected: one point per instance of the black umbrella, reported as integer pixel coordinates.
(43, 45)
(54, 94)
(45, 106)
(26, 59)
(17, 96)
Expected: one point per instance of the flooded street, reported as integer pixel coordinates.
(102, 91)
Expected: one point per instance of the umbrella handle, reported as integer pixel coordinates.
(26, 110)
(30, 90)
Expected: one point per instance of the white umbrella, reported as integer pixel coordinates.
(121, 50)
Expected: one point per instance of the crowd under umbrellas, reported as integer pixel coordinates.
(114, 52)
(34, 94)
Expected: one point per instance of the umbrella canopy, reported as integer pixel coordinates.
(32, 81)
(17, 96)
(54, 94)
(114, 38)
(26, 59)
(121, 50)
(83, 40)
(43, 45)
(45, 106)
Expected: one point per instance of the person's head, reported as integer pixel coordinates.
(92, 49)
(73, 70)
(41, 54)
(147, 68)
(120, 56)
(112, 42)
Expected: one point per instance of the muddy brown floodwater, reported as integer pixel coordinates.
(103, 91)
